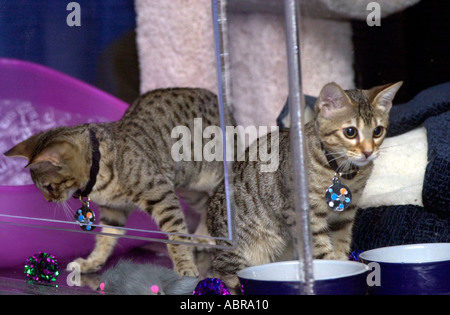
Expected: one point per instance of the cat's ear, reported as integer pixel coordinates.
(23, 149)
(53, 154)
(332, 100)
(383, 95)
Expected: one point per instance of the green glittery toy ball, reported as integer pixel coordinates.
(42, 268)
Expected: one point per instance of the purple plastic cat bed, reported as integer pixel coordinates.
(34, 98)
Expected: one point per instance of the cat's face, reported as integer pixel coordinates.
(352, 124)
(58, 170)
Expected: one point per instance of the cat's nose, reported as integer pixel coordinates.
(367, 153)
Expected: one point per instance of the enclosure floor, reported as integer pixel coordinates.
(14, 282)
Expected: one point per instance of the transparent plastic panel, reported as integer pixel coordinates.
(36, 98)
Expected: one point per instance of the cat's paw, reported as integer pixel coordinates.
(87, 266)
(232, 283)
(188, 272)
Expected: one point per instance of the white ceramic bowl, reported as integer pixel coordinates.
(282, 278)
(409, 269)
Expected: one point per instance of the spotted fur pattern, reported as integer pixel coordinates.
(264, 215)
(136, 168)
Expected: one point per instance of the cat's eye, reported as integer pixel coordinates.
(350, 132)
(378, 131)
(49, 188)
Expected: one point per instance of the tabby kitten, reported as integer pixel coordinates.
(344, 138)
(126, 165)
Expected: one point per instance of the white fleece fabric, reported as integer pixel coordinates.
(399, 171)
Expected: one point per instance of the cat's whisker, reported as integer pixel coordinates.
(336, 158)
(383, 148)
(392, 146)
(55, 209)
(342, 168)
(68, 211)
(343, 155)
(334, 153)
(347, 166)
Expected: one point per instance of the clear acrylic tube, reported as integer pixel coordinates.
(298, 145)
(219, 8)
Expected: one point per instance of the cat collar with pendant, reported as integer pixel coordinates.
(95, 167)
(335, 167)
(338, 196)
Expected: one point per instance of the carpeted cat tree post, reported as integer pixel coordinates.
(176, 48)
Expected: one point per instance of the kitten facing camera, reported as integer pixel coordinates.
(342, 141)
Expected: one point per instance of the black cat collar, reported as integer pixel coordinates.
(335, 167)
(95, 167)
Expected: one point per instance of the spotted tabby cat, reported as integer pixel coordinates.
(344, 138)
(127, 164)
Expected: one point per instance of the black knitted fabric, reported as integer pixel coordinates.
(429, 103)
(436, 188)
(398, 225)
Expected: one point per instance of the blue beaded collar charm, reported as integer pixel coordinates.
(85, 216)
(338, 197)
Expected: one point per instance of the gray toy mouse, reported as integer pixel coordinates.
(130, 278)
